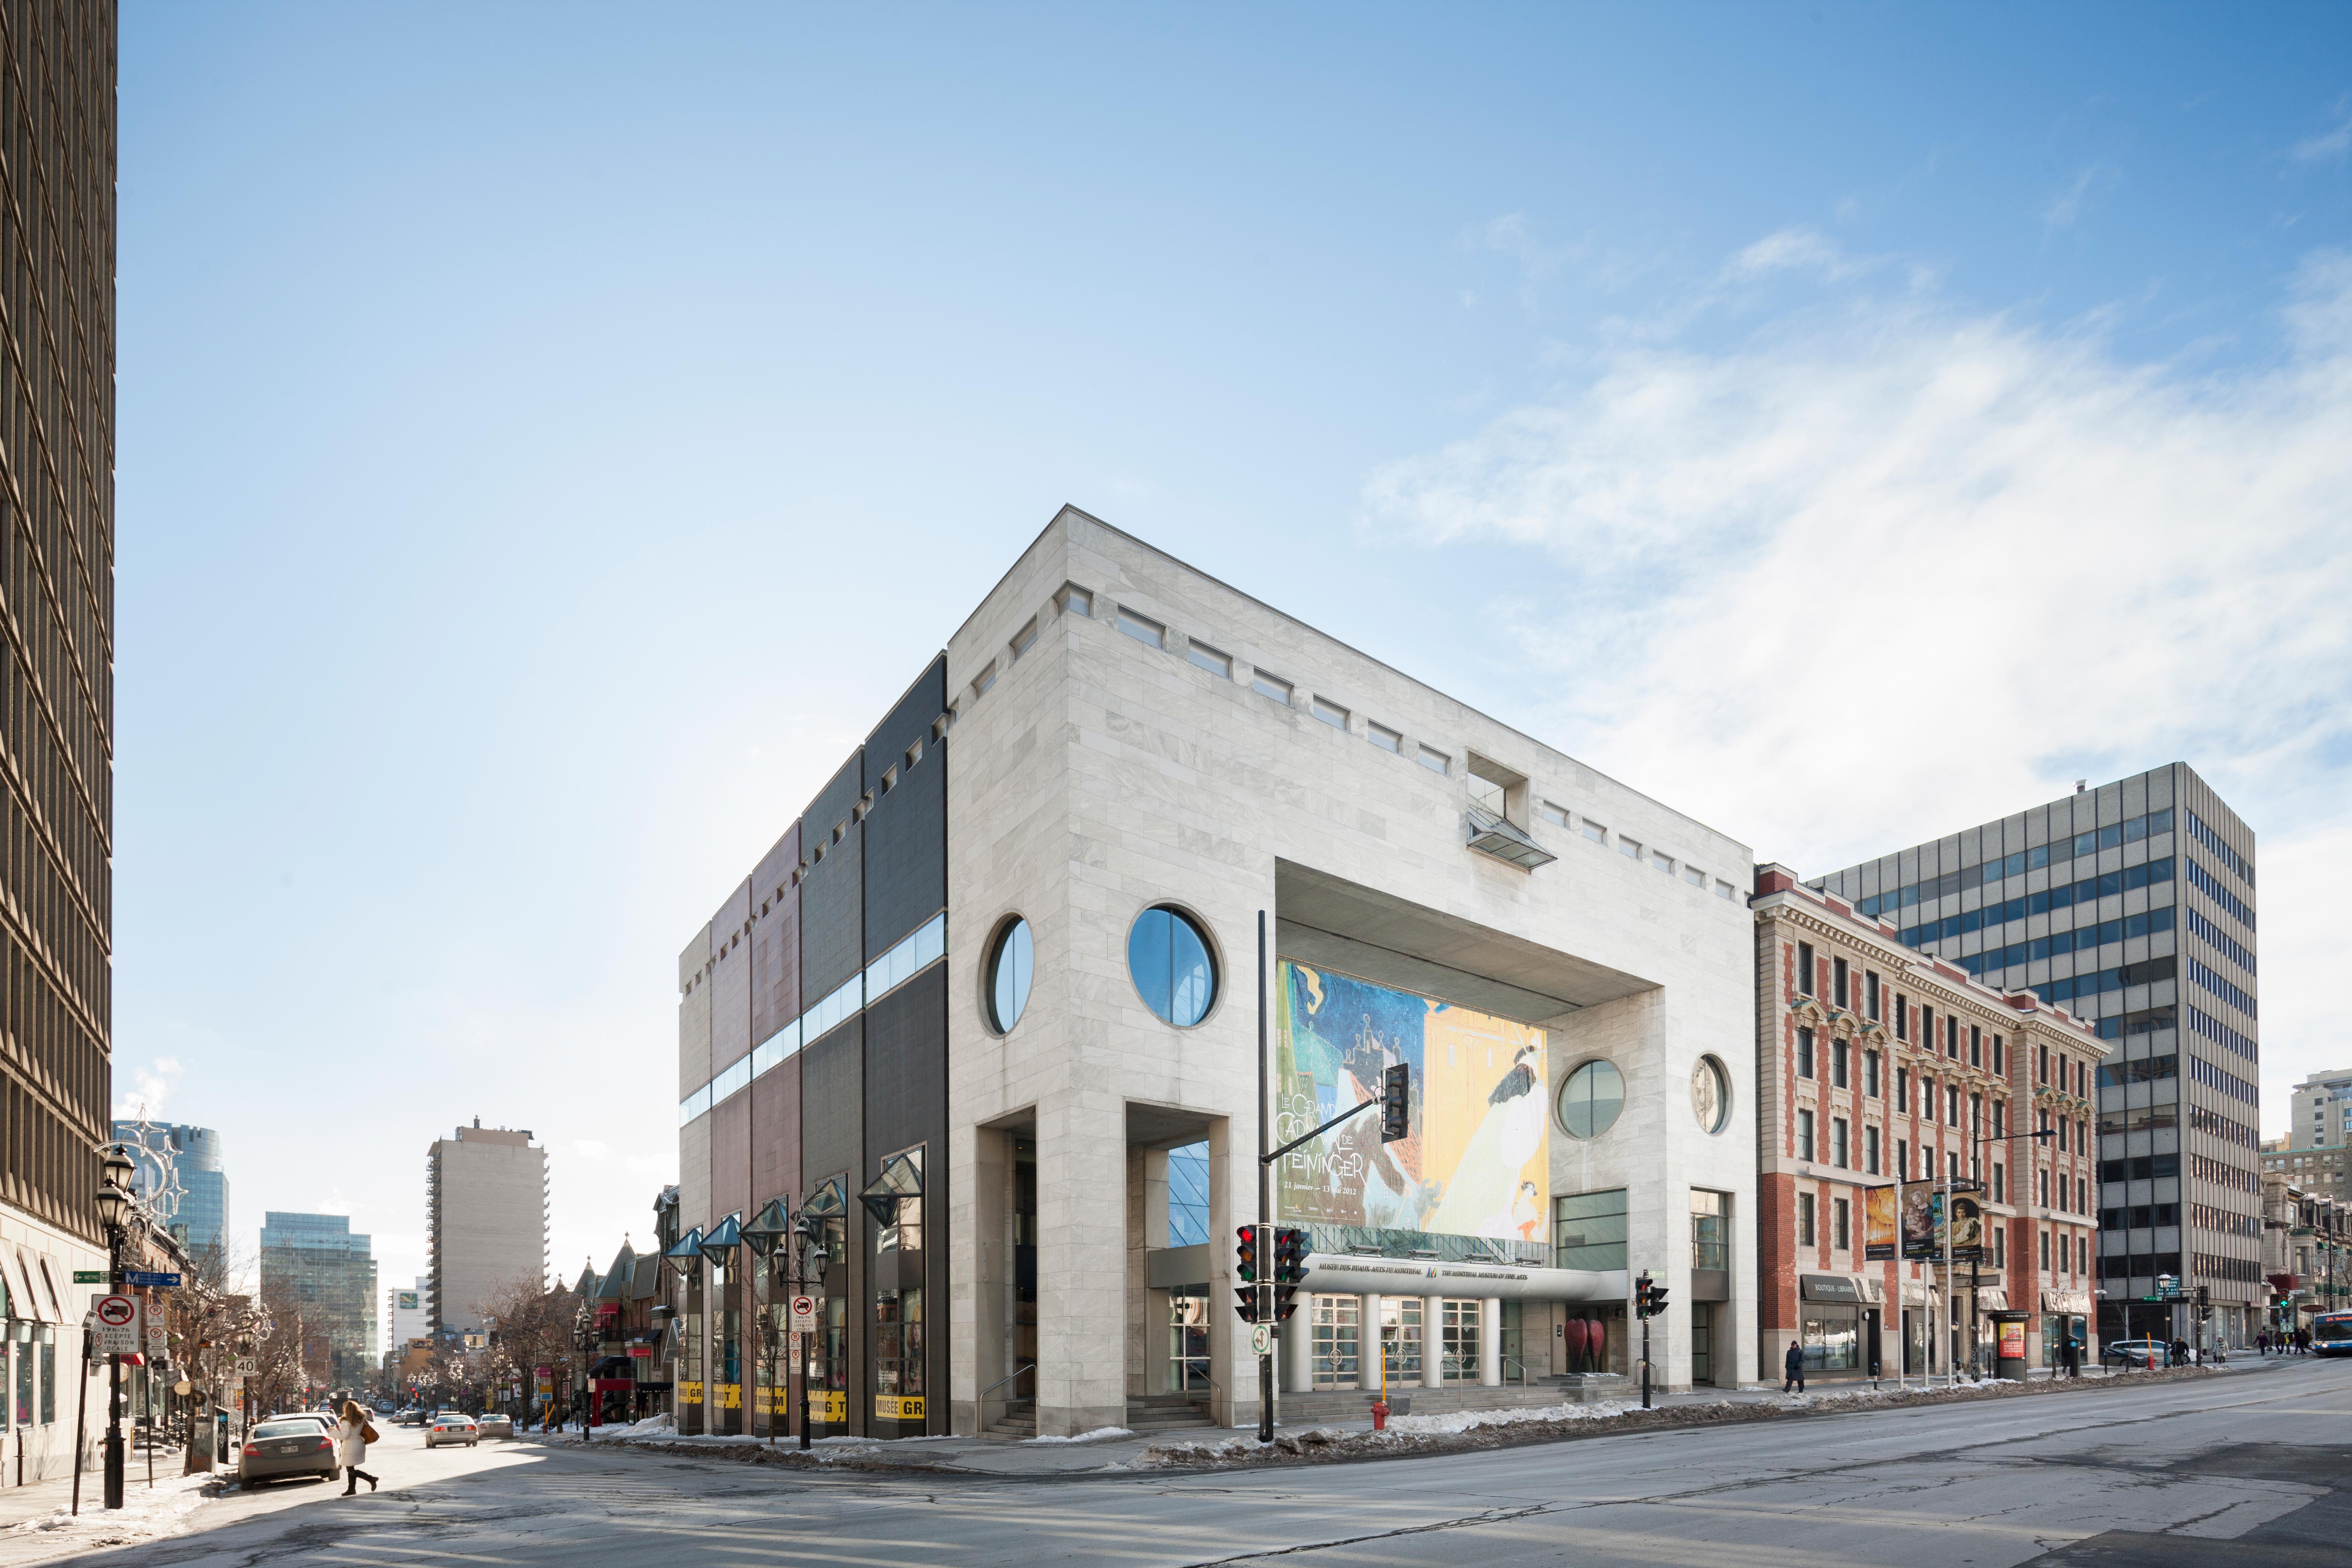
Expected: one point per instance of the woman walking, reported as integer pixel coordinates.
(353, 1437)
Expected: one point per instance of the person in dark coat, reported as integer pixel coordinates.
(1793, 1367)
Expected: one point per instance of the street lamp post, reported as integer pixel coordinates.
(584, 1330)
(795, 1261)
(113, 1200)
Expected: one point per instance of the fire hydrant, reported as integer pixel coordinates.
(1379, 1415)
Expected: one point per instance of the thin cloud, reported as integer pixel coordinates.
(1917, 566)
(2326, 145)
(150, 1090)
(2067, 205)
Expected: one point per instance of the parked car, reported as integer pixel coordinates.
(2141, 1353)
(452, 1427)
(496, 1426)
(325, 1421)
(287, 1446)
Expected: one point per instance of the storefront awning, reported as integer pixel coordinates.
(1992, 1298)
(1859, 1289)
(2077, 1302)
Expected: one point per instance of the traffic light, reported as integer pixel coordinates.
(1650, 1297)
(1289, 1270)
(1396, 1089)
(1245, 1269)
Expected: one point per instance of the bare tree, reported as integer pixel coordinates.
(528, 1325)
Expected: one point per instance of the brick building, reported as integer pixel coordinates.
(1876, 1066)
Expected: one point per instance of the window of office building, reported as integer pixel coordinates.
(1590, 1099)
(1589, 1229)
(1167, 956)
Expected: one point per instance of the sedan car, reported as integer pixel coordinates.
(452, 1427)
(496, 1426)
(2142, 1353)
(287, 1446)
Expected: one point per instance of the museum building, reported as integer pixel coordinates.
(1884, 1075)
(988, 1014)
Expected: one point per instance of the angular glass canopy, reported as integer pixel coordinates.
(1506, 840)
(900, 1178)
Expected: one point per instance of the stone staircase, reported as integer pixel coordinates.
(1147, 1414)
(1019, 1420)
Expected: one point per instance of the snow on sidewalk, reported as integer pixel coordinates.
(146, 1514)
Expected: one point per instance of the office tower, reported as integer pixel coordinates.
(2131, 905)
(986, 1015)
(179, 1172)
(311, 1264)
(57, 693)
(486, 1215)
(2323, 1111)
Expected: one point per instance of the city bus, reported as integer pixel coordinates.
(2331, 1333)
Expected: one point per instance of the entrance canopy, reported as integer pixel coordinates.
(1343, 1275)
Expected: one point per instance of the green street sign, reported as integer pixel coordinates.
(89, 1276)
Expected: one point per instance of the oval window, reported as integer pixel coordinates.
(1168, 955)
(1590, 1099)
(1008, 976)
(1710, 1094)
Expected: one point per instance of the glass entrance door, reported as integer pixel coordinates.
(1400, 1338)
(1702, 1338)
(1335, 1328)
(1188, 1343)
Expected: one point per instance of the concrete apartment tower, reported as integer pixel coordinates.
(988, 1014)
(2323, 1111)
(486, 1213)
(2132, 905)
(56, 688)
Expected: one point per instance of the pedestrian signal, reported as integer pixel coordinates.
(1396, 1091)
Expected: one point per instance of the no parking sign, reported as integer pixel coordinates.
(114, 1323)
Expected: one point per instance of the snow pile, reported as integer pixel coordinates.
(146, 1514)
(1098, 1435)
(1468, 1420)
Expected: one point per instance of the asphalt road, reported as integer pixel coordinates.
(2248, 1467)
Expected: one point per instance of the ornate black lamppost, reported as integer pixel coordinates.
(584, 1332)
(113, 1206)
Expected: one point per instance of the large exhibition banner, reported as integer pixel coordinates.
(1923, 1221)
(1879, 1224)
(1475, 1159)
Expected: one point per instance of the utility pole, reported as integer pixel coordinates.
(1265, 1202)
(1641, 1306)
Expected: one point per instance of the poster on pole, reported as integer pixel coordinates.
(1879, 1206)
(1968, 1229)
(1923, 1223)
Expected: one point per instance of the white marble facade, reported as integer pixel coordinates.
(1097, 776)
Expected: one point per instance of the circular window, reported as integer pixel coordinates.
(1710, 1094)
(1168, 955)
(1009, 966)
(1590, 1099)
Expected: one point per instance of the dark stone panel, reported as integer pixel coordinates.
(831, 1097)
(909, 720)
(907, 853)
(833, 927)
(730, 979)
(776, 1135)
(906, 1085)
(730, 1156)
(776, 939)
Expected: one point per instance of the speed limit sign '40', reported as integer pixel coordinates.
(114, 1324)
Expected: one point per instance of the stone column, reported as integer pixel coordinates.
(1368, 1343)
(1433, 1342)
(1296, 1360)
(1490, 1342)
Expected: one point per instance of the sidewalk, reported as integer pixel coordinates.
(36, 1521)
(1115, 1448)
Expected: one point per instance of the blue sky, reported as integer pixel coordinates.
(550, 436)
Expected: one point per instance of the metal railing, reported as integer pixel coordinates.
(1025, 1367)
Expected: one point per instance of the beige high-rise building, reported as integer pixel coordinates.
(486, 1213)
